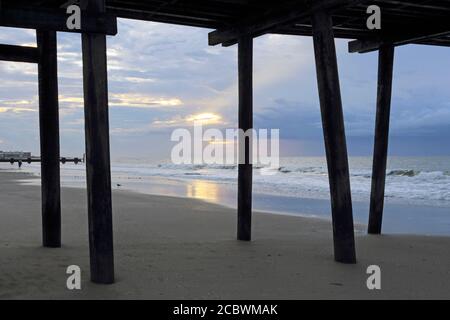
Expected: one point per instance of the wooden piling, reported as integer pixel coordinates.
(380, 152)
(98, 169)
(334, 134)
(49, 138)
(245, 174)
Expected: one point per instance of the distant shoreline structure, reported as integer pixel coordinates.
(15, 155)
(26, 157)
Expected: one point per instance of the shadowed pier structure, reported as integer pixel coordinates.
(233, 22)
(385, 70)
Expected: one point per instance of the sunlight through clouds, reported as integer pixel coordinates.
(206, 118)
(18, 106)
(16, 110)
(125, 101)
(142, 101)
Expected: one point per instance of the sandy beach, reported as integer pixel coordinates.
(176, 248)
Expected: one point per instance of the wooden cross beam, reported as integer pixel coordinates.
(275, 19)
(421, 31)
(56, 20)
(19, 53)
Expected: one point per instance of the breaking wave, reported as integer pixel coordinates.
(403, 173)
(407, 179)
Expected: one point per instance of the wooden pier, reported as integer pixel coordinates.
(63, 160)
(232, 22)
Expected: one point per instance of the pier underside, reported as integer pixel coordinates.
(231, 22)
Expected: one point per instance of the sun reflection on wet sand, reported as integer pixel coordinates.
(203, 190)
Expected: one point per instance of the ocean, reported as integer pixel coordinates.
(417, 188)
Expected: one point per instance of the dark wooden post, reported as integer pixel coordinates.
(49, 137)
(384, 91)
(245, 174)
(98, 170)
(334, 133)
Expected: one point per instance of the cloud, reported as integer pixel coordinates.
(206, 118)
(16, 110)
(19, 106)
(138, 80)
(131, 100)
(76, 122)
(158, 125)
(125, 100)
(71, 100)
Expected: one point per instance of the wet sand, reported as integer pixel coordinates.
(177, 248)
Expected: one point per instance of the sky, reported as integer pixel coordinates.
(162, 77)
